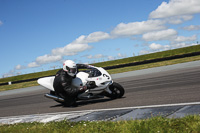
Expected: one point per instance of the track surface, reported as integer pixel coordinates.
(173, 86)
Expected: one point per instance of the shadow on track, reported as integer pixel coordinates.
(85, 102)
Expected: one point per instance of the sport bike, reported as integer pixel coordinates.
(98, 77)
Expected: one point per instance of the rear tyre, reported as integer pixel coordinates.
(117, 91)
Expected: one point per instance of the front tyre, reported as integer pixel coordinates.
(117, 91)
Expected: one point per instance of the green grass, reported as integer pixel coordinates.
(28, 76)
(111, 63)
(112, 71)
(156, 55)
(19, 85)
(157, 64)
(155, 125)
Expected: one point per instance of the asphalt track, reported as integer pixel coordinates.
(178, 85)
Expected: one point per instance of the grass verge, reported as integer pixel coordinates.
(112, 71)
(157, 64)
(19, 85)
(156, 55)
(155, 124)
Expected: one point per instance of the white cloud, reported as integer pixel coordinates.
(95, 56)
(110, 58)
(143, 52)
(166, 47)
(71, 49)
(174, 12)
(175, 21)
(48, 59)
(192, 27)
(186, 17)
(169, 34)
(182, 44)
(159, 47)
(33, 64)
(18, 67)
(176, 8)
(81, 44)
(8, 75)
(44, 60)
(137, 28)
(121, 55)
(1, 23)
(179, 45)
(91, 38)
(155, 46)
(98, 56)
(178, 19)
(184, 39)
(160, 35)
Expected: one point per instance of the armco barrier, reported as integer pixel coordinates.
(20, 81)
(123, 65)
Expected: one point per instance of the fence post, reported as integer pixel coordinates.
(9, 83)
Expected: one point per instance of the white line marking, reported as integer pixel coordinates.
(110, 109)
(141, 107)
(72, 114)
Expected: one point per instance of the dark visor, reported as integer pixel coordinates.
(71, 70)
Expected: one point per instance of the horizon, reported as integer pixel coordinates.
(39, 35)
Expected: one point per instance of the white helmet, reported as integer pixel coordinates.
(69, 66)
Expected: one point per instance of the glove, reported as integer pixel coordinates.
(83, 88)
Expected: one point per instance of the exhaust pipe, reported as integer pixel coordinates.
(54, 97)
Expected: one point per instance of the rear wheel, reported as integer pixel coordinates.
(117, 91)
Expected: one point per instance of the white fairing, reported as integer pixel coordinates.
(102, 81)
(80, 79)
(103, 78)
(47, 82)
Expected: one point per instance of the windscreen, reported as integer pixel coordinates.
(94, 73)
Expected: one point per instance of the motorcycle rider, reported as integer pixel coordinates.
(63, 80)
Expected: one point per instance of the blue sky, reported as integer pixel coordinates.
(38, 35)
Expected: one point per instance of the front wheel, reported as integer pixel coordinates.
(117, 91)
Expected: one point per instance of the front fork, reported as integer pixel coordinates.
(108, 88)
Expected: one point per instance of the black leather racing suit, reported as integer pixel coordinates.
(62, 85)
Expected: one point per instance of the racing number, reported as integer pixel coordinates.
(106, 76)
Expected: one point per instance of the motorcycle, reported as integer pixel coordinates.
(95, 76)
